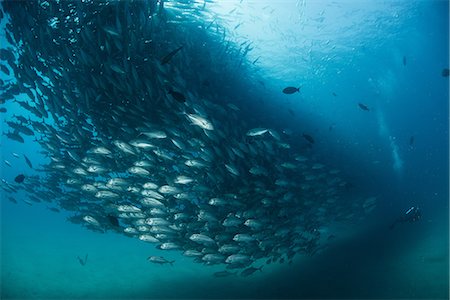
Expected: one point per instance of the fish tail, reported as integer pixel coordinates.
(171, 262)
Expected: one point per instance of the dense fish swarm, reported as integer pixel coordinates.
(141, 144)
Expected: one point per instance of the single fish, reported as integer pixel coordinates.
(411, 141)
(2, 110)
(91, 220)
(404, 60)
(445, 72)
(200, 122)
(169, 56)
(223, 274)
(82, 261)
(250, 271)
(4, 69)
(291, 90)
(202, 239)
(177, 96)
(363, 107)
(28, 161)
(113, 220)
(256, 131)
(15, 136)
(308, 138)
(19, 178)
(112, 31)
(160, 260)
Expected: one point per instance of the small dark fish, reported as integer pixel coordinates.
(19, 178)
(445, 72)
(290, 90)
(404, 60)
(28, 161)
(363, 107)
(21, 119)
(177, 96)
(331, 236)
(53, 209)
(254, 62)
(291, 112)
(308, 138)
(224, 274)
(3, 110)
(4, 69)
(12, 200)
(113, 220)
(15, 136)
(169, 56)
(411, 141)
(334, 94)
(250, 271)
(34, 199)
(82, 261)
(210, 24)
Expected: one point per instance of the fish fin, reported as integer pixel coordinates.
(80, 261)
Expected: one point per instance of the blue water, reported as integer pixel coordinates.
(372, 148)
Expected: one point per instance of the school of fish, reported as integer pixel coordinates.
(127, 101)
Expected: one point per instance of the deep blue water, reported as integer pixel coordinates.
(372, 148)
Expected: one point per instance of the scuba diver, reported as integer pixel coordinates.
(411, 215)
